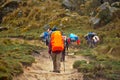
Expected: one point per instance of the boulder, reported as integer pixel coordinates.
(116, 4)
(68, 4)
(7, 6)
(104, 14)
(3, 28)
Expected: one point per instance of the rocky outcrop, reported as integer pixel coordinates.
(7, 6)
(110, 1)
(104, 14)
(73, 4)
(3, 28)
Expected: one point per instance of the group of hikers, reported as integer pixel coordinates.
(58, 43)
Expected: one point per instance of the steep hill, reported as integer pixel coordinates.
(27, 19)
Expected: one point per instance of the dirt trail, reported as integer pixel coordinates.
(42, 68)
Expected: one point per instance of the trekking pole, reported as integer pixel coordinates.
(64, 64)
(50, 57)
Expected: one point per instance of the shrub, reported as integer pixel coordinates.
(85, 68)
(78, 63)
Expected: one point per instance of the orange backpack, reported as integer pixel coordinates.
(57, 42)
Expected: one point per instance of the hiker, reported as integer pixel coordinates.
(56, 46)
(49, 30)
(44, 36)
(89, 38)
(73, 38)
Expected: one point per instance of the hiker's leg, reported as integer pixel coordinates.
(54, 61)
(93, 44)
(63, 55)
(96, 43)
(67, 45)
(58, 57)
(89, 44)
(67, 49)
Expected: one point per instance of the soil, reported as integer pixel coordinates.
(42, 68)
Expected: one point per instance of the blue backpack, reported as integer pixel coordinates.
(45, 35)
(91, 34)
(73, 37)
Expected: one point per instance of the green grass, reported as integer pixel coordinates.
(13, 55)
(105, 55)
(102, 63)
(78, 63)
(108, 69)
(30, 34)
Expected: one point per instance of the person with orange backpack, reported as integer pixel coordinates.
(56, 46)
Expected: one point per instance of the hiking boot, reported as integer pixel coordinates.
(57, 71)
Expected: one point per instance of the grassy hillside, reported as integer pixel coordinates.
(28, 22)
(14, 55)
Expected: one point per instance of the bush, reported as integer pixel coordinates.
(8, 68)
(85, 68)
(78, 63)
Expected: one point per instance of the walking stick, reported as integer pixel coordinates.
(50, 57)
(64, 65)
(63, 59)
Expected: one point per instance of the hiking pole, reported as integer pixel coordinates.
(67, 51)
(64, 64)
(50, 57)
